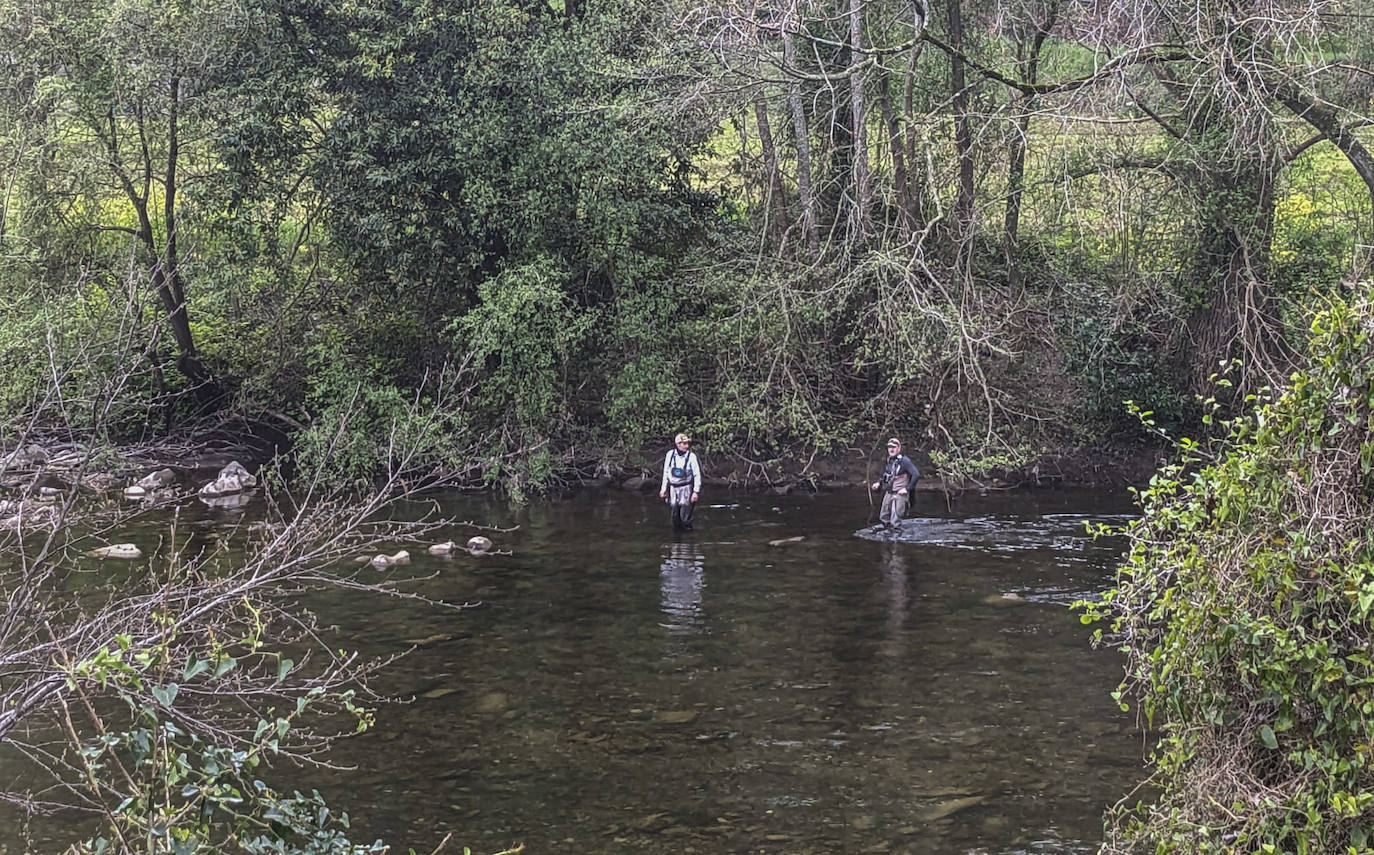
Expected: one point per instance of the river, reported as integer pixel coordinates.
(615, 688)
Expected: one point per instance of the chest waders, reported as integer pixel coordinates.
(895, 478)
(680, 479)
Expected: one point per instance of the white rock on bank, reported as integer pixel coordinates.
(159, 479)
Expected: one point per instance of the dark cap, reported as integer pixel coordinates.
(894, 442)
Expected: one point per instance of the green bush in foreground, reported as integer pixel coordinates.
(1245, 609)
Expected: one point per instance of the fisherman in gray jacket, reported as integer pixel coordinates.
(899, 479)
(681, 481)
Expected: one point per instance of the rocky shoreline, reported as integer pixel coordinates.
(221, 468)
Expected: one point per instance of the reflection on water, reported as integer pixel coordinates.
(681, 577)
(617, 692)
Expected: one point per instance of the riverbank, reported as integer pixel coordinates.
(52, 460)
(856, 467)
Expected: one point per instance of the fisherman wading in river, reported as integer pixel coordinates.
(899, 478)
(681, 481)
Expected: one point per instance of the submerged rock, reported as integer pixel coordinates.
(401, 557)
(950, 808)
(491, 702)
(675, 716)
(1007, 599)
(117, 550)
(230, 502)
(445, 548)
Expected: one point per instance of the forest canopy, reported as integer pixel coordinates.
(785, 226)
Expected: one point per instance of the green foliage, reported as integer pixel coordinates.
(91, 356)
(1245, 609)
(360, 419)
(1111, 336)
(524, 339)
(1310, 247)
(470, 138)
(651, 350)
(168, 790)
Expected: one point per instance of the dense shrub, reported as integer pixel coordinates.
(1245, 609)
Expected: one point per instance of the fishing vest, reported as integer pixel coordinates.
(680, 476)
(896, 477)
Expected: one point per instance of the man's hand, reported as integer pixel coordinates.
(877, 484)
(901, 492)
(694, 498)
(663, 494)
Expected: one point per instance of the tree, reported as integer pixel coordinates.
(122, 97)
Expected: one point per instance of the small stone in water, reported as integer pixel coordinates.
(117, 550)
(492, 702)
(675, 716)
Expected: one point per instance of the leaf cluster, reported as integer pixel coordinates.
(1245, 610)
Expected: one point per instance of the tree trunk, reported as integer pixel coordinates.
(777, 201)
(837, 191)
(963, 136)
(1240, 316)
(1029, 56)
(802, 140)
(915, 190)
(1016, 176)
(166, 271)
(900, 180)
(863, 192)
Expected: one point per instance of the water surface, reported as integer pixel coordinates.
(620, 689)
(616, 688)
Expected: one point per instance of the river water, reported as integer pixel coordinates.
(619, 689)
(615, 688)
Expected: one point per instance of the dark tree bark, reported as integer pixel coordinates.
(164, 259)
(963, 135)
(901, 181)
(1239, 316)
(802, 141)
(861, 227)
(914, 190)
(1028, 59)
(777, 200)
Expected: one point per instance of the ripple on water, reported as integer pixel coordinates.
(1053, 532)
